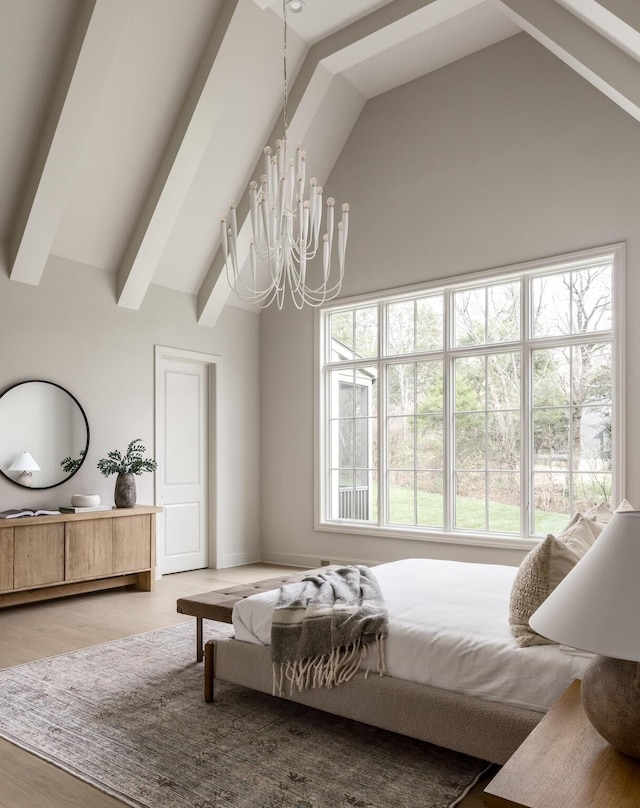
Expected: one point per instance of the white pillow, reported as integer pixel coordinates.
(625, 505)
(581, 533)
(599, 513)
(603, 513)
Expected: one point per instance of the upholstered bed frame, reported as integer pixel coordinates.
(485, 729)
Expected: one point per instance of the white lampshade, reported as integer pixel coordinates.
(597, 606)
(24, 462)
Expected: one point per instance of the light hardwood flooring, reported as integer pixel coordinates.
(39, 630)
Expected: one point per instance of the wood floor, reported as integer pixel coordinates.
(39, 630)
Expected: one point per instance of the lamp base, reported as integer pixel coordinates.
(25, 478)
(611, 699)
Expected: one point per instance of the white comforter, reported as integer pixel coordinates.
(448, 627)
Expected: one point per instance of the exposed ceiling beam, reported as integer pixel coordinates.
(596, 59)
(626, 10)
(617, 20)
(76, 97)
(200, 114)
(417, 17)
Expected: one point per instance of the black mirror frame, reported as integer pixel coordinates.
(86, 423)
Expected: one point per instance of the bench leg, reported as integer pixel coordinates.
(199, 652)
(208, 671)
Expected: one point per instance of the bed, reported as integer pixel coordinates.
(456, 678)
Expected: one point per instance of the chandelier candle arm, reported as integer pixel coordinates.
(301, 168)
(317, 219)
(253, 208)
(234, 223)
(331, 203)
(305, 222)
(345, 227)
(286, 229)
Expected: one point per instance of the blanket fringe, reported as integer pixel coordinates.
(329, 670)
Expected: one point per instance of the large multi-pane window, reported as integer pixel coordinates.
(486, 406)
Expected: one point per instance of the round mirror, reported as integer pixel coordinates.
(44, 434)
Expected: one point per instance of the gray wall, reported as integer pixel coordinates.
(69, 330)
(503, 157)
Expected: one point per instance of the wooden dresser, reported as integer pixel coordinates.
(45, 557)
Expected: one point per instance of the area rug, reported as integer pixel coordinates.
(129, 718)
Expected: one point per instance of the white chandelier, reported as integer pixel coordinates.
(285, 228)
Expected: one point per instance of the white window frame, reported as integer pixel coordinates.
(575, 260)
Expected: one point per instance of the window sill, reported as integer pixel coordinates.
(434, 536)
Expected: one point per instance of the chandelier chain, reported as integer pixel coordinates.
(285, 112)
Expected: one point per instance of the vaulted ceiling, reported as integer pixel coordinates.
(129, 125)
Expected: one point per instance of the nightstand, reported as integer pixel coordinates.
(565, 763)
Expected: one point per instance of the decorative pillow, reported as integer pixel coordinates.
(581, 533)
(600, 513)
(540, 572)
(625, 505)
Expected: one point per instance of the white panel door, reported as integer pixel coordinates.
(183, 463)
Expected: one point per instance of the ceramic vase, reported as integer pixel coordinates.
(125, 493)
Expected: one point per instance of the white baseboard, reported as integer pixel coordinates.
(307, 560)
(240, 559)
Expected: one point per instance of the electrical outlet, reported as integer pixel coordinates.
(324, 562)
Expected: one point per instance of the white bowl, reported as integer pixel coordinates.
(85, 500)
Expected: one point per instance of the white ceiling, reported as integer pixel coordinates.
(129, 125)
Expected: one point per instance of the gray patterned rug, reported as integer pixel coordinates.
(129, 718)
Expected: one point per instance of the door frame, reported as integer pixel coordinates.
(214, 391)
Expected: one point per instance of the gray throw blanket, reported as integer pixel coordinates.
(323, 626)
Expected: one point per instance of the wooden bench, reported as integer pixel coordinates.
(218, 605)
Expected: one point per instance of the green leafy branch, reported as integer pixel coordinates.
(132, 461)
(72, 464)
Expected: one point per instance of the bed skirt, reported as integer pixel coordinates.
(484, 729)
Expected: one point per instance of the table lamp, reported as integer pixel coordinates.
(25, 464)
(596, 608)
